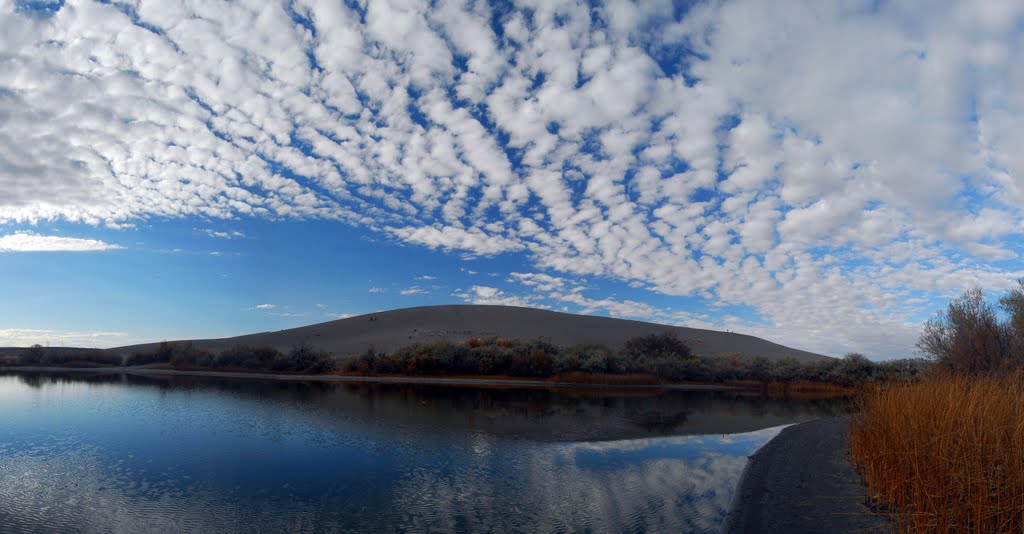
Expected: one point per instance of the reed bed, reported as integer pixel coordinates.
(796, 388)
(945, 454)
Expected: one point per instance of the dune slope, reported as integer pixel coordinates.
(388, 330)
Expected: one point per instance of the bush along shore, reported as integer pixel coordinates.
(652, 359)
(946, 454)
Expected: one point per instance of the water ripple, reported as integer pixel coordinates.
(214, 456)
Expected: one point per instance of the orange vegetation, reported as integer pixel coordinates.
(797, 389)
(944, 455)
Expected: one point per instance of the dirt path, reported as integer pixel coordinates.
(802, 482)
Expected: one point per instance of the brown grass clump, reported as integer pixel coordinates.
(946, 454)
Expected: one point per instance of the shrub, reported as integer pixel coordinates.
(486, 358)
(245, 357)
(81, 357)
(968, 338)
(144, 358)
(729, 366)
(33, 355)
(164, 351)
(182, 354)
(235, 357)
(303, 358)
(658, 346)
(657, 357)
(787, 370)
(757, 368)
(541, 363)
(855, 368)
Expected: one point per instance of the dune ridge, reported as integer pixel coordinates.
(388, 330)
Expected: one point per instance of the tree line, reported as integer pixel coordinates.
(972, 336)
(659, 357)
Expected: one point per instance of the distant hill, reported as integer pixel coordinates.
(389, 330)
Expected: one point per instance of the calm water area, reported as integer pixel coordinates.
(125, 453)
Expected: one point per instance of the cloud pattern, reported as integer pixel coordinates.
(834, 166)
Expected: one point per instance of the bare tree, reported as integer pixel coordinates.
(967, 337)
(1013, 304)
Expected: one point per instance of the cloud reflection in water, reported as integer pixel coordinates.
(248, 457)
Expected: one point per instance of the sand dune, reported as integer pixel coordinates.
(391, 329)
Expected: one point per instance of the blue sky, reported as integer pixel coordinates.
(822, 174)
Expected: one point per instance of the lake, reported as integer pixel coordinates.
(112, 452)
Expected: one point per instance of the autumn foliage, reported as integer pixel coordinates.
(946, 454)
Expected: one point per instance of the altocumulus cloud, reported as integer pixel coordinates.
(832, 165)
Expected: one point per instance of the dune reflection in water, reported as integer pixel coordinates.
(120, 454)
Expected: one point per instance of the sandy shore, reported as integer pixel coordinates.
(143, 371)
(802, 482)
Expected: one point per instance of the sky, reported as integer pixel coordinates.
(824, 174)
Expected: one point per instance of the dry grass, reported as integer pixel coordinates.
(946, 454)
(797, 389)
(607, 379)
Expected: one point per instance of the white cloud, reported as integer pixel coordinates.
(234, 234)
(540, 281)
(451, 238)
(377, 290)
(824, 164)
(30, 242)
(413, 290)
(494, 296)
(25, 337)
(266, 306)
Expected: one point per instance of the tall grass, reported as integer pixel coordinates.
(945, 454)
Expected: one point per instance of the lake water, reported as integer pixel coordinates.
(120, 453)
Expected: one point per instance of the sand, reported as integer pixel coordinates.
(802, 482)
(386, 331)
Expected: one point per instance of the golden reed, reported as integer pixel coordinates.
(945, 454)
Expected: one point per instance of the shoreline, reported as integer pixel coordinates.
(142, 371)
(802, 481)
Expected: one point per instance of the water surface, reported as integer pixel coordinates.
(122, 453)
